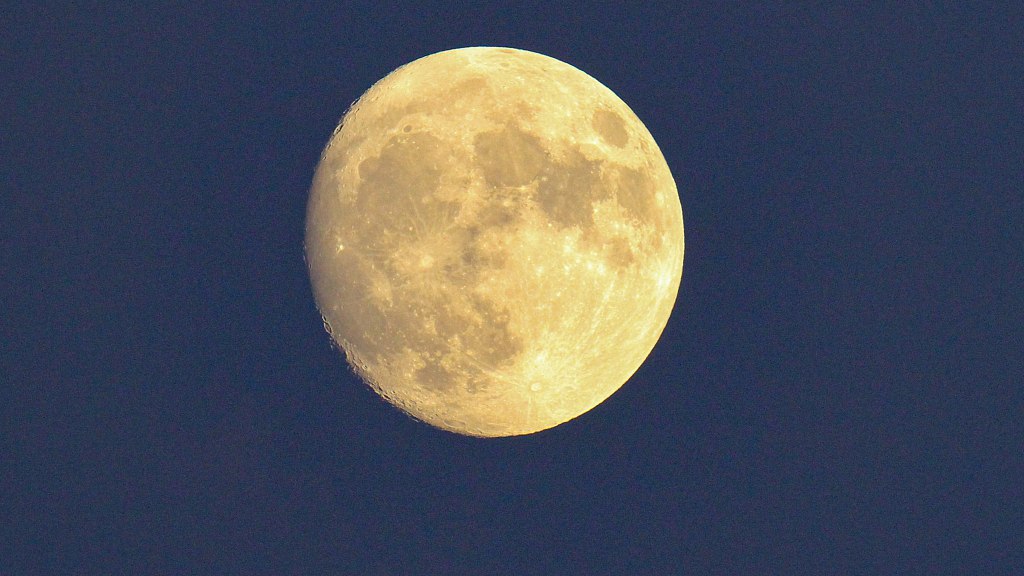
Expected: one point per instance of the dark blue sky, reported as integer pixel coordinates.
(840, 389)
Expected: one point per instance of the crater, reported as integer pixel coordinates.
(610, 127)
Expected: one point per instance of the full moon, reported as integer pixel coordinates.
(494, 240)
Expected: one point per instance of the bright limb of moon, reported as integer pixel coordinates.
(494, 239)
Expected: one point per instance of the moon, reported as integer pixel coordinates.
(494, 240)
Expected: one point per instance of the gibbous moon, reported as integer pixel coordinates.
(494, 239)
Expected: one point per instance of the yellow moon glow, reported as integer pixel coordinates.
(494, 239)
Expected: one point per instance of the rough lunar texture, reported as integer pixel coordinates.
(494, 240)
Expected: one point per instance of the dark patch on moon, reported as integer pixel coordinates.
(509, 157)
(475, 258)
(397, 191)
(636, 193)
(468, 88)
(610, 127)
(618, 253)
(568, 190)
(406, 173)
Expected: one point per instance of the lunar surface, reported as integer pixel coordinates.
(494, 240)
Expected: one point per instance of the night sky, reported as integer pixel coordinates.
(840, 389)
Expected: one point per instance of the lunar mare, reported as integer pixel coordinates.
(494, 239)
